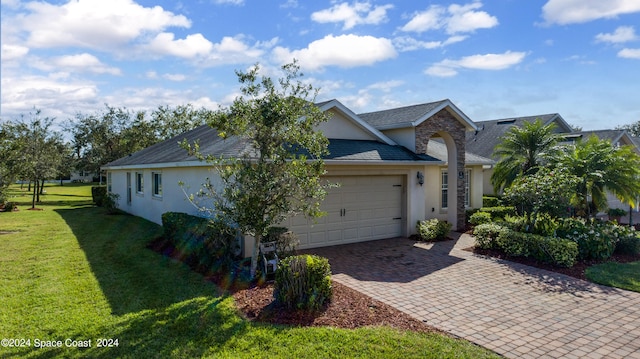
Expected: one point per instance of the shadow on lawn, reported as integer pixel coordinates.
(132, 277)
(189, 329)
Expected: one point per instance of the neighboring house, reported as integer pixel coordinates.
(490, 133)
(391, 175)
(617, 138)
(81, 176)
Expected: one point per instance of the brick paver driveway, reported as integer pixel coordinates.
(515, 310)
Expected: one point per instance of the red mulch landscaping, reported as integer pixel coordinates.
(347, 309)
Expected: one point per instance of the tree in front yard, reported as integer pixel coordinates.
(545, 192)
(278, 175)
(31, 150)
(600, 167)
(522, 152)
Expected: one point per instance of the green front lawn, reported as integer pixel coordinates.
(71, 272)
(619, 275)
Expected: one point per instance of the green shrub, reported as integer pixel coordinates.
(303, 282)
(491, 201)
(487, 234)
(557, 251)
(499, 212)
(286, 241)
(616, 212)
(629, 244)
(206, 245)
(595, 240)
(98, 193)
(516, 244)
(110, 202)
(480, 218)
(433, 229)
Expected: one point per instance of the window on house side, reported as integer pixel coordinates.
(157, 184)
(445, 189)
(467, 187)
(109, 182)
(139, 183)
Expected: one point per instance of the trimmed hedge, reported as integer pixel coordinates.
(303, 282)
(491, 201)
(480, 218)
(557, 251)
(98, 193)
(499, 212)
(203, 244)
(433, 229)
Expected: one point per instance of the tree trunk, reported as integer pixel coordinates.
(256, 253)
(33, 198)
(41, 188)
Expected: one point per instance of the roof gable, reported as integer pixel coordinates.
(344, 121)
(412, 116)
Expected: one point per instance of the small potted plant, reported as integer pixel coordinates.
(616, 214)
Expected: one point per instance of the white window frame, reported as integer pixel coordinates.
(139, 183)
(156, 184)
(444, 189)
(109, 187)
(467, 187)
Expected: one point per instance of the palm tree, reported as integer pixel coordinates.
(601, 168)
(521, 152)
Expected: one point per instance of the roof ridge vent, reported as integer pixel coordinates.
(507, 122)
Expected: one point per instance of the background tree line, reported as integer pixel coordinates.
(33, 150)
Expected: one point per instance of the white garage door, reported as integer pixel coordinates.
(363, 208)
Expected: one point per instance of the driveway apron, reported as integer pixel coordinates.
(513, 309)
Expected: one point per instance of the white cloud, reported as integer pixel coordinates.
(351, 15)
(405, 43)
(54, 94)
(84, 63)
(620, 35)
(94, 24)
(174, 77)
(629, 54)
(189, 47)
(454, 19)
(344, 51)
(234, 50)
(13, 52)
(564, 12)
(430, 19)
(448, 68)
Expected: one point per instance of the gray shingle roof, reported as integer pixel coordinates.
(170, 152)
(483, 141)
(362, 150)
(437, 149)
(609, 135)
(399, 117)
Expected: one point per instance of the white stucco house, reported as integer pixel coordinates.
(395, 167)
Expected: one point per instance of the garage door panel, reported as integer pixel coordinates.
(361, 208)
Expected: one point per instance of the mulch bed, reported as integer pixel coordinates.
(347, 309)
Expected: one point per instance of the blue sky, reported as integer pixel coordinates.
(492, 58)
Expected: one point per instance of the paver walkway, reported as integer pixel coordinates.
(515, 310)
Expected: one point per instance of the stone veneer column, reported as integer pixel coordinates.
(444, 121)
